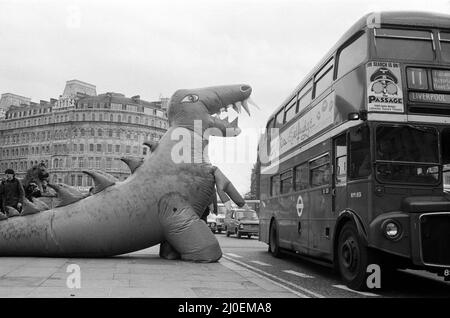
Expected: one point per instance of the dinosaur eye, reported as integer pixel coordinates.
(190, 99)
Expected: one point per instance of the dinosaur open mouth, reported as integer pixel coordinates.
(227, 117)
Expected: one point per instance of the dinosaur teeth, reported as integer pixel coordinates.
(251, 102)
(245, 106)
(237, 107)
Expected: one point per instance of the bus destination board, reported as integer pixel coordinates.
(441, 80)
(429, 98)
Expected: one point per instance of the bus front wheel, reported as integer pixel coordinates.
(353, 258)
(274, 247)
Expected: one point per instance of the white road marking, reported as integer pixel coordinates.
(356, 291)
(298, 274)
(233, 255)
(273, 277)
(260, 263)
(250, 269)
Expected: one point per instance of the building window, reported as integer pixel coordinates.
(100, 133)
(81, 147)
(99, 148)
(128, 149)
(117, 148)
(108, 163)
(91, 147)
(109, 148)
(80, 181)
(81, 162)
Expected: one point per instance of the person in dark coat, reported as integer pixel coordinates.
(12, 194)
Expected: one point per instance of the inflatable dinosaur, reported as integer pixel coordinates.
(159, 203)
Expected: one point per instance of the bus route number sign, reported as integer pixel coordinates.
(300, 206)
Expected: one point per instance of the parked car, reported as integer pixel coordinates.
(211, 221)
(220, 218)
(241, 222)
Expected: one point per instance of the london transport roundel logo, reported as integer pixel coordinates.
(300, 206)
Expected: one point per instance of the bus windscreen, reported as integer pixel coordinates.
(407, 154)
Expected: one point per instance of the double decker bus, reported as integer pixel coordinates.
(353, 162)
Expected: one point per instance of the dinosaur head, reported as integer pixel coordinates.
(208, 106)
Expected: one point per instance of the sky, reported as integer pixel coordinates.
(152, 48)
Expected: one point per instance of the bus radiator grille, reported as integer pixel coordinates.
(435, 232)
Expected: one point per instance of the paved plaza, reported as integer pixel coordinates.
(140, 274)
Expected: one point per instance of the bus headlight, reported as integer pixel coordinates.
(241, 226)
(391, 229)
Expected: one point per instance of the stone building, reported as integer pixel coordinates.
(80, 130)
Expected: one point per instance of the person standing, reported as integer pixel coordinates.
(12, 194)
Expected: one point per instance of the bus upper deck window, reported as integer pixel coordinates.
(279, 119)
(323, 78)
(352, 55)
(291, 110)
(404, 44)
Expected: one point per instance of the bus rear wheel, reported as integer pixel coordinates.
(353, 258)
(274, 247)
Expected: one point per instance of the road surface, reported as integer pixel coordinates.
(315, 280)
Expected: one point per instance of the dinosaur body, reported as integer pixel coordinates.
(159, 203)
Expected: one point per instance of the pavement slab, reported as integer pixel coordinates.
(140, 274)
